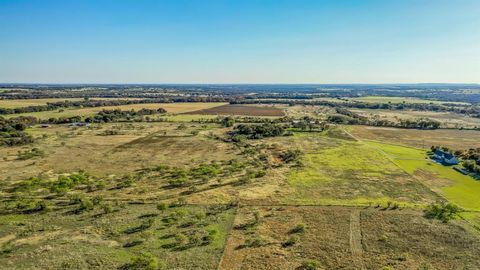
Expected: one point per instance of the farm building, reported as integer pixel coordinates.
(444, 158)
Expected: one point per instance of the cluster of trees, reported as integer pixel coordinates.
(106, 116)
(102, 103)
(471, 110)
(443, 211)
(12, 131)
(471, 159)
(345, 116)
(84, 103)
(256, 131)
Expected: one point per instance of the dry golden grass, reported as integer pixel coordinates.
(15, 103)
(170, 107)
(456, 139)
(399, 239)
(447, 119)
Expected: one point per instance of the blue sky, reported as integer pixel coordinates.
(338, 41)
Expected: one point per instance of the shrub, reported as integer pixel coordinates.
(145, 261)
(291, 156)
(443, 212)
(29, 154)
(85, 204)
(310, 265)
(181, 239)
(107, 208)
(254, 242)
(290, 241)
(299, 228)
(162, 206)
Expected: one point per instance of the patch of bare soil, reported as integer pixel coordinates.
(241, 110)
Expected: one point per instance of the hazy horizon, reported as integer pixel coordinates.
(239, 42)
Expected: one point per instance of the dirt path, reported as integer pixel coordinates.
(356, 238)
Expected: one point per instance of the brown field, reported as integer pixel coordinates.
(242, 110)
(456, 139)
(348, 238)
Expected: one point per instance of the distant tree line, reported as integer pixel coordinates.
(101, 103)
(470, 110)
(103, 116)
(345, 116)
(256, 131)
(106, 116)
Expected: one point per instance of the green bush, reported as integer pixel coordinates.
(145, 261)
(290, 241)
(299, 228)
(162, 206)
(309, 265)
(443, 211)
(29, 154)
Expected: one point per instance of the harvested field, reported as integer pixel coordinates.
(246, 110)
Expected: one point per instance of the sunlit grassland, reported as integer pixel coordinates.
(16, 103)
(351, 173)
(170, 107)
(383, 99)
(97, 240)
(460, 189)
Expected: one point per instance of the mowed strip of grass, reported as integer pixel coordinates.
(458, 188)
(343, 172)
(170, 107)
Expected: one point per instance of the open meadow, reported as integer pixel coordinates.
(198, 190)
(170, 107)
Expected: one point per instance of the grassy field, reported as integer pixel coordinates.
(382, 99)
(452, 138)
(352, 173)
(446, 119)
(183, 193)
(63, 239)
(16, 103)
(346, 238)
(458, 188)
(170, 107)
